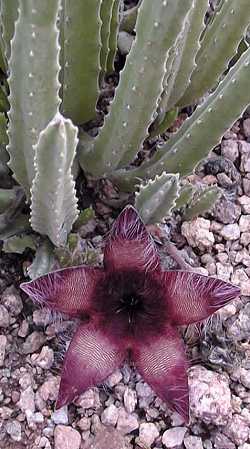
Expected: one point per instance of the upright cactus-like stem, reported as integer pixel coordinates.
(106, 17)
(218, 45)
(33, 82)
(113, 36)
(190, 46)
(126, 126)
(9, 15)
(156, 199)
(202, 201)
(54, 204)
(201, 132)
(80, 28)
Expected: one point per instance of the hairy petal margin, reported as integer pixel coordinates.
(193, 297)
(90, 359)
(163, 365)
(69, 290)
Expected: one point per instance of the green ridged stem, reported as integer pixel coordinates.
(201, 132)
(155, 200)
(18, 244)
(218, 46)
(80, 28)
(186, 193)
(190, 47)
(203, 200)
(9, 15)
(113, 36)
(172, 65)
(3, 130)
(53, 199)
(33, 82)
(43, 261)
(106, 16)
(7, 196)
(129, 18)
(126, 126)
(162, 126)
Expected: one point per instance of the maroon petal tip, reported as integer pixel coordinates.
(129, 245)
(193, 297)
(69, 290)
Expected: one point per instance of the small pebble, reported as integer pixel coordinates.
(109, 416)
(231, 231)
(148, 433)
(66, 437)
(60, 416)
(3, 344)
(174, 437)
(14, 429)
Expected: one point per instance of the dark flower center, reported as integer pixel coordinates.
(130, 304)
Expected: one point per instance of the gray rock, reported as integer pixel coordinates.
(49, 389)
(244, 201)
(89, 399)
(114, 378)
(192, 442)
(224, 271)
(14, 429)
(3, 344)
(33, 342)
(41, 317)
(197, 233)
(4, 317)
(237, 429)
(24, 329)
(45, 359)
(66, 437)
(84, 423)
(231, 232)
(229, 149)
(226, 211)
(221, 441)
(130, 400)
(60, 416)
(210, 396)
(244, 223)
(240, 328)
(106, 439)
(241, 278)
(246, 186)
(174, 437)
(148, 433)
(109, 415)
(27, 402)
(126, 422)
(245, 238)
(43, 443)
(12, 301)
(26, 380)
(246, 127)
(244, 148)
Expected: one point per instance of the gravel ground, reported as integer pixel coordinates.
(124, 413)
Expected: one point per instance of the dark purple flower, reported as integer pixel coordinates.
(130, 307)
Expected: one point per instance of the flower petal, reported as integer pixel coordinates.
(163, 365)
(192, 297)
(90, 359)
(129, 245)
(69, 290)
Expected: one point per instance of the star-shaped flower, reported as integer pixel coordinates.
(131, 307)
